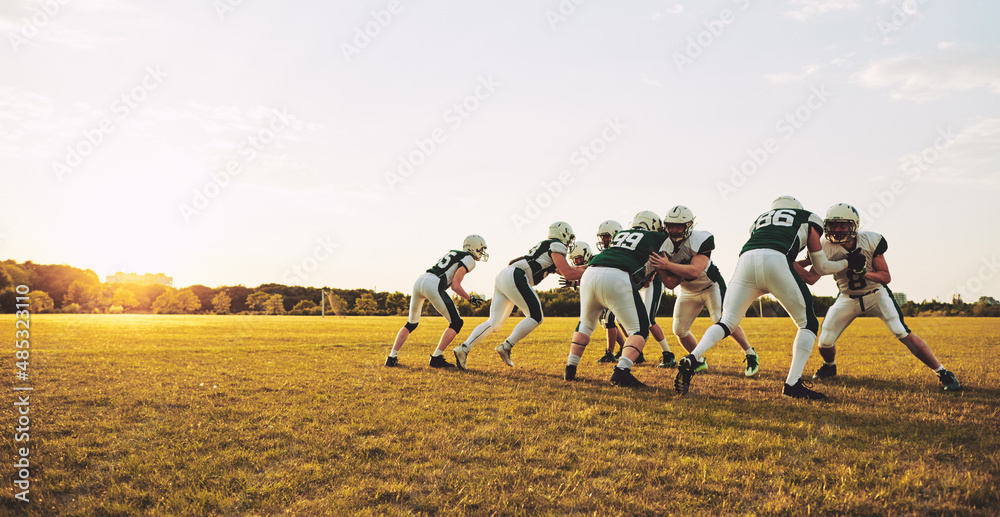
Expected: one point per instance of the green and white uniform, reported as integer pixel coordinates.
(515, 286)
(433, 285)
(709, 289)
(859, 296)
(613, 280)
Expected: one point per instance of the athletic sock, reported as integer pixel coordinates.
(572, 360)
(625, 363)
(941, 369)
(437, 353)
(801, 349)
(751, 351)
(394, 353)
(507, 345)
(663, 345)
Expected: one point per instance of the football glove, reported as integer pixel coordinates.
(856, 261)
(572, 284)
(476, 300)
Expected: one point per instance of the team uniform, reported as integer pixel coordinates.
(859, 296)
(709, 289)
(515, 286)
(766, 266)
(432, 286)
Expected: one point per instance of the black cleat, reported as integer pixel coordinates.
(392, 361)
(608, 357)
(753, 365)
(801, 390)
(685, 370)
(669, 361)
(826, 371)
(950, 382)
(624, 378)
(570, 372)
(440, 362)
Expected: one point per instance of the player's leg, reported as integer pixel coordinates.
(446, 306)
(611, 329)
(416, 305)
(793, 294)
(890, 313)
(500, 308)
(525, 298)
(713, 300)
(843, 311)
(654, 295)
(619, 295)
(590, 311)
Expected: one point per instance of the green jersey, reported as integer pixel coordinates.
(629, 251)
(538, 263)
(449, 264)
(785, 230)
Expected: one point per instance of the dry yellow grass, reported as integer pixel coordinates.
(203, 415)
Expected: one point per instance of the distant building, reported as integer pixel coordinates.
(899, 297)
(146, 279)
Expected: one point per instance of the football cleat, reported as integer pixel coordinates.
(392, 361)
(440, 362)
(826, 371)
(461, 355)
(753, 365)
(668, 361)
(685, 370)
(608, 357)
(623, 377)
(570, 372)
(701, 367)
(504, 354)
(801, 390)
(949, 381)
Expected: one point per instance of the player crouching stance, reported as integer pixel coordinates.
(863, 291)
(447, 272)
(612, 282)
(766, 265)
(690, 266)
(515, 286)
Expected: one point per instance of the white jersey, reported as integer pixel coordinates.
(871, 245)
(449, 264)
(699, 242)
(538, 263)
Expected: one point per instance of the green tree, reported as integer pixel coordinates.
(366, 304)
(222, 302)
(167, 303)
(81, 294)
(188, 301)
(274, 305)
(397, 304)
(41, 301)
(125, 299)
(258, 300)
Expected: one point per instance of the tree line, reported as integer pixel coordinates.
(66, 289)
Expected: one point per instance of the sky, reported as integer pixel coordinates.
(352, 144)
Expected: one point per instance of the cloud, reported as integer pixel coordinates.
(651, 82)
(924, 79)
(789, 77)
(805, 9)
(946, 44)
(968, 157)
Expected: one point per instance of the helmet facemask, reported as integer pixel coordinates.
(678, 232)
(839, 231)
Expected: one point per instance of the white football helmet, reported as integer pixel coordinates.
(609, 228)
(841, 213)
(679, 215)
(786, 202)
(476, 245)
(647, 220)
(582, 252)
(563, 232)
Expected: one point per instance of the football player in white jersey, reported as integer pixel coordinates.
(612, 282)
(515, 285)
(766, 265)
(605, 232)
(863, 291)
(432, 285)
(700, 284)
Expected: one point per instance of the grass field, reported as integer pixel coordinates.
(252, 415)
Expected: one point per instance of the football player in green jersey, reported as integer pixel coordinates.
(605, 232)
(700, 284)
(515, 285)
(863, 291)
(447, 272)
(766, 265)
(612, 282)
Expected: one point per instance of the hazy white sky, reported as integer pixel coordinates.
(352, 144)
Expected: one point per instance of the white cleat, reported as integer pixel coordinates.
(461, 355)
(504, 354)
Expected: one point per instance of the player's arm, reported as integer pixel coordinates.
(808, 275)
(669, 279)
(567, 271)
(817, 256)
(456, 283)
(688, 271)
(880, 270)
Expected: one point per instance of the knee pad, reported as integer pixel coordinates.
(410, 326)
(457, 325)
(823, 344)
(725, 329)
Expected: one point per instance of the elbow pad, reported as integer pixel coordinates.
(824, 266)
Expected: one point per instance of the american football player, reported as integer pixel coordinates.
(605, 232)
(864, 290)
(766, 265)
(432, 285)
(700, 284)
(612, 282)
(515, 285)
